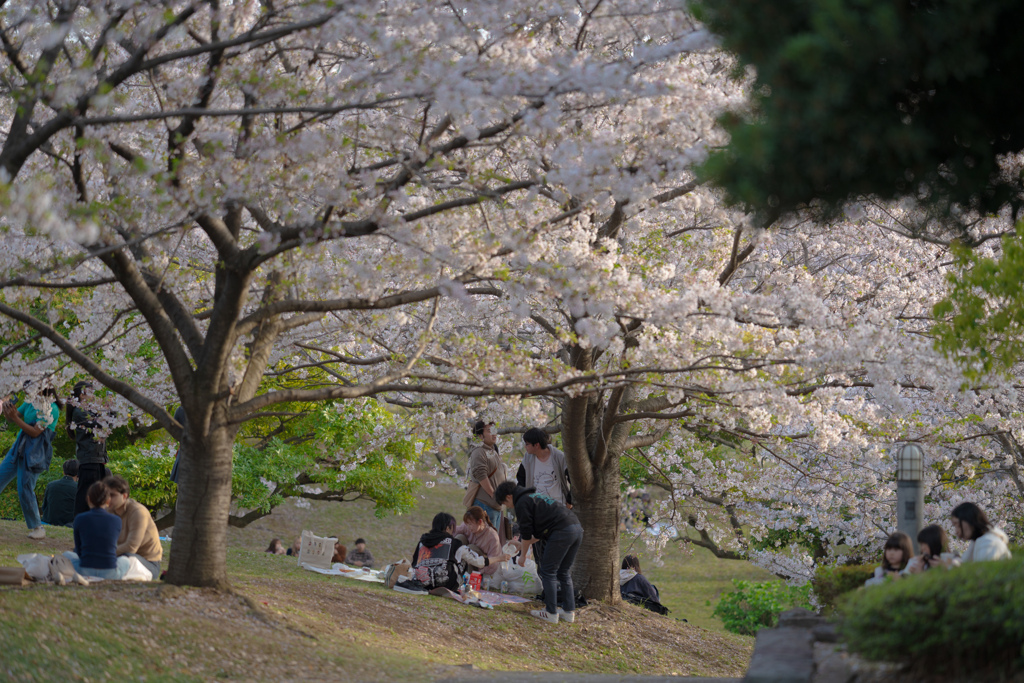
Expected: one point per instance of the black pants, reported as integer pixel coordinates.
(88, 474)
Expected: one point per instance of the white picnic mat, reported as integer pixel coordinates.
(339, 569)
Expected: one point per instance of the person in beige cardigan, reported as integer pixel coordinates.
(486, 472)
(139, 536)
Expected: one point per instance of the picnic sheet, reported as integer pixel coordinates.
(495, 598)
(339, 569)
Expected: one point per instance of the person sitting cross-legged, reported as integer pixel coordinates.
(360, 556)
(96, 531)
(139, 536)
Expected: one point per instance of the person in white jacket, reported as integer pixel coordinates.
(987, 542)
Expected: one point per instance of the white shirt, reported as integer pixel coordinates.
(546, 480)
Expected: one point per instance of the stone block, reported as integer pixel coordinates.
(782, 655)
(799, 617)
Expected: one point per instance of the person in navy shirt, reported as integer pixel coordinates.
(96, 533)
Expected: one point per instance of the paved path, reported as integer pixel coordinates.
(561, 677)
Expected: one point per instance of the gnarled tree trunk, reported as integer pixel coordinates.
(599, 510)
(198, 556)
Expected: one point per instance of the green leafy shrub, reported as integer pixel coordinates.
(756, 605)
(832, 582)
(969, 618)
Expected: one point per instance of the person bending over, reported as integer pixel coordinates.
(542, 518)
(139, 536)
(96, 532)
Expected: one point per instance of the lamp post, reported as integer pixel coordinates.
(909, 492)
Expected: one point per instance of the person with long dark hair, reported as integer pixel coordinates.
(987, 541)
(933, 543)
(81, 422)
(37, 414)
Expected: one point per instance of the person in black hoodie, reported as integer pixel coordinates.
(541, 518)
(440, 559)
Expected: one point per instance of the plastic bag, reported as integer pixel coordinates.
(137, 571)
(521, 580)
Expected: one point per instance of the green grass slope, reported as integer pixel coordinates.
(285, 623)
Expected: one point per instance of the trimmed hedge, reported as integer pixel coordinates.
(964, 620)
(832, 582)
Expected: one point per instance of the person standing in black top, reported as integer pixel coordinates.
(90, 450)
(541, 517)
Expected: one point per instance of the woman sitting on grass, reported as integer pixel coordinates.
(632, 581)
(896, 555)
(479, 534)
(340, 553)
(96, 533)
(440, 559)
(987, 542)
(933, 542)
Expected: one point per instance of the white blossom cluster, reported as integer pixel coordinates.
(442, 203)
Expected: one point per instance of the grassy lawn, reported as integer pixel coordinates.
(285, 623)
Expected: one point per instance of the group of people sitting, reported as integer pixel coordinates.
(970, 523)
(359, 556)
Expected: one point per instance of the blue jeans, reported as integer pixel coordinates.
(555, 567)
(494, 515)
(114, 574)
(13, 466)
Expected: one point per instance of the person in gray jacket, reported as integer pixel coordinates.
(544, 468)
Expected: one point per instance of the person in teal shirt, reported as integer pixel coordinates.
(30, 424)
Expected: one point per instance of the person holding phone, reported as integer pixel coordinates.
(38, 413)
(933, 542)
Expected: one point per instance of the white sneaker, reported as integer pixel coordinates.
(545, 615)
(37, 533)
(567, 617)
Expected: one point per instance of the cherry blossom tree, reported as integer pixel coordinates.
(198, 196)
(242, 206)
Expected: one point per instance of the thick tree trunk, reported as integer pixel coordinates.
(199, 545)
(597, 565)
